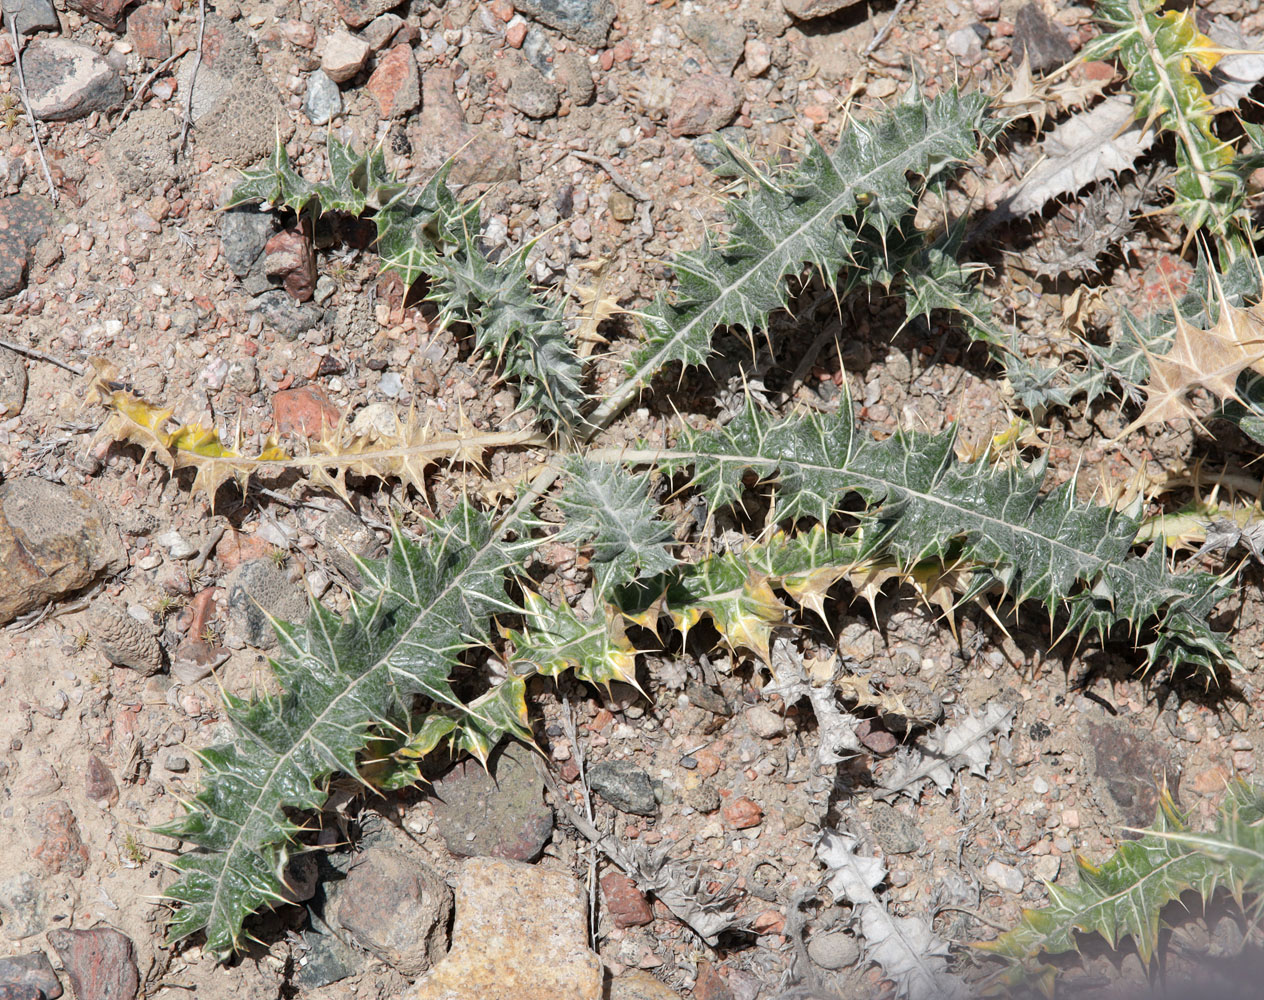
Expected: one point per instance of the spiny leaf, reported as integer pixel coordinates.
(925, 504)
(812, 216)
(556, 639)
(1125, 896)
(949, 748)
(421, 606)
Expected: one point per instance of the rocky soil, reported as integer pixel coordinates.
(131, 605)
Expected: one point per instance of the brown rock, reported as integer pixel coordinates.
(20, 991)
(396, 84)
(99, 784)
(637, 984)
(29, 972)
(625, 903)
(344, 56)
(520, 934)
(53, 540)
(68, 81)
(12, 381)
(123, 640)
(23, 220)
(358, 13)
(100, 962)
(105, 12)
(1131, 768)
(383, 31)
(289, 259)
(742, 813)
(709, 985)
(60, 848)
(147, 31)
(703, 104)
(622, 207)
(304, 412)
(807, 10)
(709, 763)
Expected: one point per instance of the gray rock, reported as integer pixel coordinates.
(33, 971)
(23, 907)
(31, 16)
(531, 93)
(625, 786)
(68, 81)
(967, 43)
(258, 586)
(833, 951)
(244, 231)
(381, 31)
(586, 21)
(721, 38)
(140, 153)
(289, 318)
(807, 10)
(497, 813)
(575, 78)
(1006, 876)
(100, 962)
(327, 958)
(243, 376)
(894, 832)
(393, 904)
(703, 104)
(1044, 43)
(323, 99)
(12, 382)
(707, 699)
(764, 722)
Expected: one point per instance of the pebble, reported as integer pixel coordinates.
(987, 10)
(358, 13)
(396, 84)
(1005, 876)
(499, 812)
(177, 546)
(147, 31)
(176, 763)
(32, 971)
(194, 660)
(30, 16)
(381, 31)
(107, 13)
(244, 232)
(59, 848)
(1046, 868)
(586, 21)
(288, 317)
(393, 904)
(100, 962)
(1039, 786)
(703, 104)
(289, 260)
(967, 43)
(808, 10)
(23, 907)
(742, 814)
(625, 786)
(758, 57)
(344, 56)
(1043, 43)
(256, 587)
(530, 93)
(625, 903)
(834, 950)
(764, 722)
(721, 38)
(98, 783)
(68, 81)
(304, 412)
(521, 931)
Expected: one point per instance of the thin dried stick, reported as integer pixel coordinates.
(26, 103)
(30, 352)
(881, 36)
(617, 178)
(197, 64)
(145, 85)
(568, 727)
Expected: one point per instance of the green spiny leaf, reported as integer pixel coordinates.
(556, 639)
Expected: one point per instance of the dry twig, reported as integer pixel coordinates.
(26, 103)
(197, 64)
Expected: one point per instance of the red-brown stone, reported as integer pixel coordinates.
(99, 784)
(625, 903)
(396, 84)
(100, 962)
(289, 259)
(303, 412)
(742, 813)
(108, 13)
(60, 848)
(147, 31)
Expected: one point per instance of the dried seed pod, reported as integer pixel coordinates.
(123, 640)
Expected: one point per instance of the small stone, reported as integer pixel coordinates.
(38, 780)
(123, 640)
(1071, 819)
(244, 232)
(637, 984)
(703, 798)
(516, 34)
(710, 985)
(358, 13)
(381, 31)
(285, 315)
(764, 722)
(835, 950)
(769, 922)
(288, 259)
(32, 971)
(256, 587)
(59, 849)
(702, 696)
(304, 412)
(521, 932)
(176, 763)
(100, 962)
(875, 738)
(625, 786)
(623, 209)
(987, 10)
(12, 381)
(344, 56)
(758, 57)
(722, 39)
(396, 906)
(894, 832)
(967, 43)
(499, 812)
(1046, 868)
(147, 31)
(704, 104)
(23, 907)
(808, 10)
(742, 813)
(99, 784)
(586, 21)
(68, 81)
(625, 903)
(396, 84)
(194, 660)
(107, 13)
(530, 93)
(1005, 876)
(1039, 786)
(574, 77)
(1044, 43)
(30, 16)
(177, 546)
